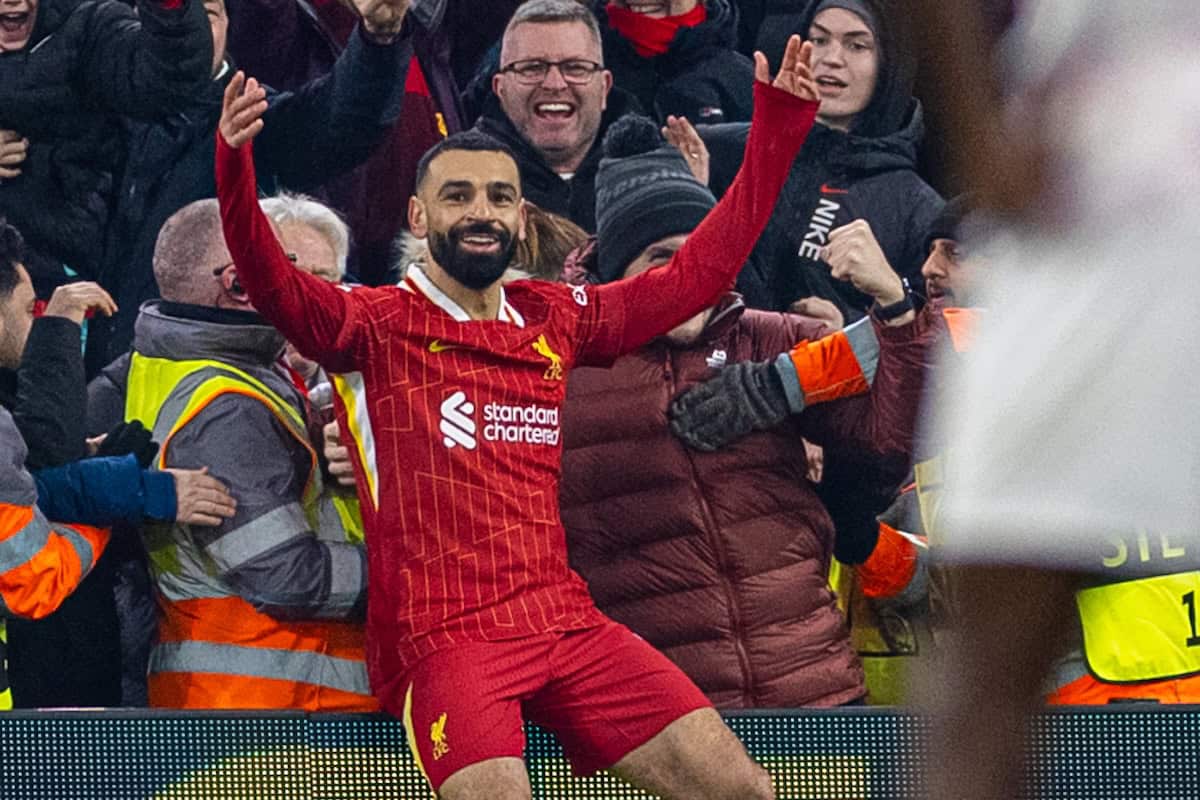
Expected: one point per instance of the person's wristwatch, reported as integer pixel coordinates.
(893, 310)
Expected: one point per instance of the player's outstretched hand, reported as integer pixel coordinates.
(241, 110)
(795, 73)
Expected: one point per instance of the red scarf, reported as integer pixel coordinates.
(651, 36)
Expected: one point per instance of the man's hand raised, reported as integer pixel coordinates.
(795, 73)
(381, 19)
(241, 111)
(74, 300)
(854, 255)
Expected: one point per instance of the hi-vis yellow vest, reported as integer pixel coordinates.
(153, 382)
(1143, 629)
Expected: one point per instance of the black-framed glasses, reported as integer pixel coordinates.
(535, 70)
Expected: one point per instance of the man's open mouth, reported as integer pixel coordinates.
(14, 22)
(556, 110)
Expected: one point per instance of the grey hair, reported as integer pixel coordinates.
(554, 11)
(189, 247)
(287, 207)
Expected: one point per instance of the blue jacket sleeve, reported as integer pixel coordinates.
(102, 491)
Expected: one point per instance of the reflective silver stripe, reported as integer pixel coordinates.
(259, 536)
(918, 585)
(295, 666)
(83, 548)
(346, 580)
(865, 345)
(790, 379)
(22, 546)
(1067, 669)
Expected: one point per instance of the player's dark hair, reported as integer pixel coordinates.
(12, 253)
(471, 140)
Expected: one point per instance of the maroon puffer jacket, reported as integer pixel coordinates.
(721, 559)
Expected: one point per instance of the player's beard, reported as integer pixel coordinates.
(473, 270)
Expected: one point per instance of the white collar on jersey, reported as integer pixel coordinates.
(416, 280)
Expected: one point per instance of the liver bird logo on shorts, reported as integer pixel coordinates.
(554, 372)
(437, 732)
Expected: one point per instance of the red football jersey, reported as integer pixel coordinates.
(455, 421)
(458, 446)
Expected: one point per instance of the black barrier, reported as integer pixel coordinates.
(1118, 752)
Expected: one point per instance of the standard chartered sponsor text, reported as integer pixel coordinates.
(530, 424)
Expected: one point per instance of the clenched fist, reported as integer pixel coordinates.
(854, 255)
(381, 18)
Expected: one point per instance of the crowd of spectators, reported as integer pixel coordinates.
(754, 494)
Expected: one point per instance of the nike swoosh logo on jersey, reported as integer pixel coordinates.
(827, 189)
(438, 346)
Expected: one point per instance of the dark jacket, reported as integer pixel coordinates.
(72, 656)
(574, 199)
(45, 394)
(721, 560)
(868, 173)
(319, 131)
(701, 77)
(287, 43)
(87, 62)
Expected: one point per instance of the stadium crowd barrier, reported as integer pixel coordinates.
(1125, 752)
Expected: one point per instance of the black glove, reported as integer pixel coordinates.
(742, 398)
(129, 438)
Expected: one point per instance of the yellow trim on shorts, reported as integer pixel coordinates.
(410, 733)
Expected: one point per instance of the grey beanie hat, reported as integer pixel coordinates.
(644, 192)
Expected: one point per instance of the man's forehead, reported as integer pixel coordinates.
(550, 41)
(477, 167)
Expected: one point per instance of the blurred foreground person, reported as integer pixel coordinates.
(1079, 359)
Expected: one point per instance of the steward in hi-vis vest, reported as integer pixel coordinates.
(266, 610)
(1140, 638)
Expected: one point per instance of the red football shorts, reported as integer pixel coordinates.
(602, 691)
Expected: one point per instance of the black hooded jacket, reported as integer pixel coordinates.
(323, 129)
(701, 77)
(86, 62)
(868, 173)
(574, 199)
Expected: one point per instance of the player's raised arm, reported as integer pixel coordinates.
(312, 314)
(655, 301)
